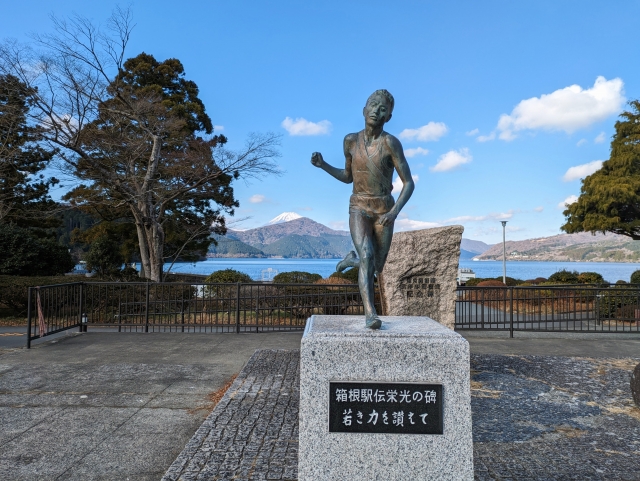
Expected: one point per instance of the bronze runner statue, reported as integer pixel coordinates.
(371, 156)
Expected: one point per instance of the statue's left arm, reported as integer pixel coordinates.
(402, 167)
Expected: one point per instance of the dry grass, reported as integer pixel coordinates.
(13, 321)
(631, 411)
(569, 432)
(603, 364)
(478, 389)
(213, 398)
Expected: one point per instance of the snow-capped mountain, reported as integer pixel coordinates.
(284, 217)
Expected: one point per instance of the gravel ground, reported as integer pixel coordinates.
(534, 418)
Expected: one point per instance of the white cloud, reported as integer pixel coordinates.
(417, 151)
(397, 184)
(410, 224)
(473, 132)
(567, 109)
(430, 132)
(257, 198)
(568, 201)
(451, 160)
(218, 128)
(480, 218)
(338, 225)
(539, 209)
(581, 142)
(302, 126)
(581, 171)
(600, 138)
(486, 138)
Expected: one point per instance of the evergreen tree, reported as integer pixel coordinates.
(610, 198)
(23, 254)
(24, 190)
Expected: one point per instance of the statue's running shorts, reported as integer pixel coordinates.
(371, 206)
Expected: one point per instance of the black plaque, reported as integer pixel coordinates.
(396, 408)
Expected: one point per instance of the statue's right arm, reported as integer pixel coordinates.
(343, 175)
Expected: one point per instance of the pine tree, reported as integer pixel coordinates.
(609, 199)
(24, 190)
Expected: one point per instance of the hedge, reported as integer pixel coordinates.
(14, 289)
(296, 277)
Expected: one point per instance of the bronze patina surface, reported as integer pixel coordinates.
(371, 157)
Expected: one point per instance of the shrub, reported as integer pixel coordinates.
(564, 277)
(104, 257)
(491, 283)
(536, 281)
(620, 282)
(590, 278)
(296, 277)
(23, 254)
(635, 277)
(351, 275)
(227, 276)
(14, 289)
(474, 281)
(333, 280)
(617, 302)
(510, 281)
(628, 313)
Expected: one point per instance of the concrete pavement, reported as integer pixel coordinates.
(113, 406)
(103, 405)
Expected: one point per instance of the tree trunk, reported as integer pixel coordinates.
(145, 261)
(155, 240)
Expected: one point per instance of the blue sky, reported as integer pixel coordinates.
(504, 105)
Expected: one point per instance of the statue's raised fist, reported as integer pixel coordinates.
(316, 159)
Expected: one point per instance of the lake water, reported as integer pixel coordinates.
(259, 268)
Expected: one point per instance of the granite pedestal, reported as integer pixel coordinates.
(339, 349)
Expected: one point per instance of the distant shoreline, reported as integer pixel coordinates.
(239, 256)
(590, 261)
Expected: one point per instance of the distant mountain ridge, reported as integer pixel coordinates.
(475, 246)
(284, 217)
(292, 236)
(299, 237)
(271, 233)
(582, 247)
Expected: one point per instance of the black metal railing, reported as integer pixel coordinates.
(255, 307)
(186, 307)
(573, 308)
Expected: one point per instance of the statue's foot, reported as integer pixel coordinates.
(348, 261)
(373, 322)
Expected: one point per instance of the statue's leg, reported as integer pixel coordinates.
(350, 260)
(382, 237)
(361, 226)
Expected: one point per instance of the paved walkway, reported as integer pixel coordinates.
(113, 406)
(534, 418)
(122, 406)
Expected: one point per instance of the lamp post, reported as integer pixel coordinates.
(504, 253)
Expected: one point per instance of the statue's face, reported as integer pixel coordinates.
(377, 111)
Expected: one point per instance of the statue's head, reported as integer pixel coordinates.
(379, 106)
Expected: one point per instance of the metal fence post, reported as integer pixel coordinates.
(257, 308)
(482, 307)
(511, 315)
(146, 321)
(80, 325)
(237, 308)
(29, 319)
